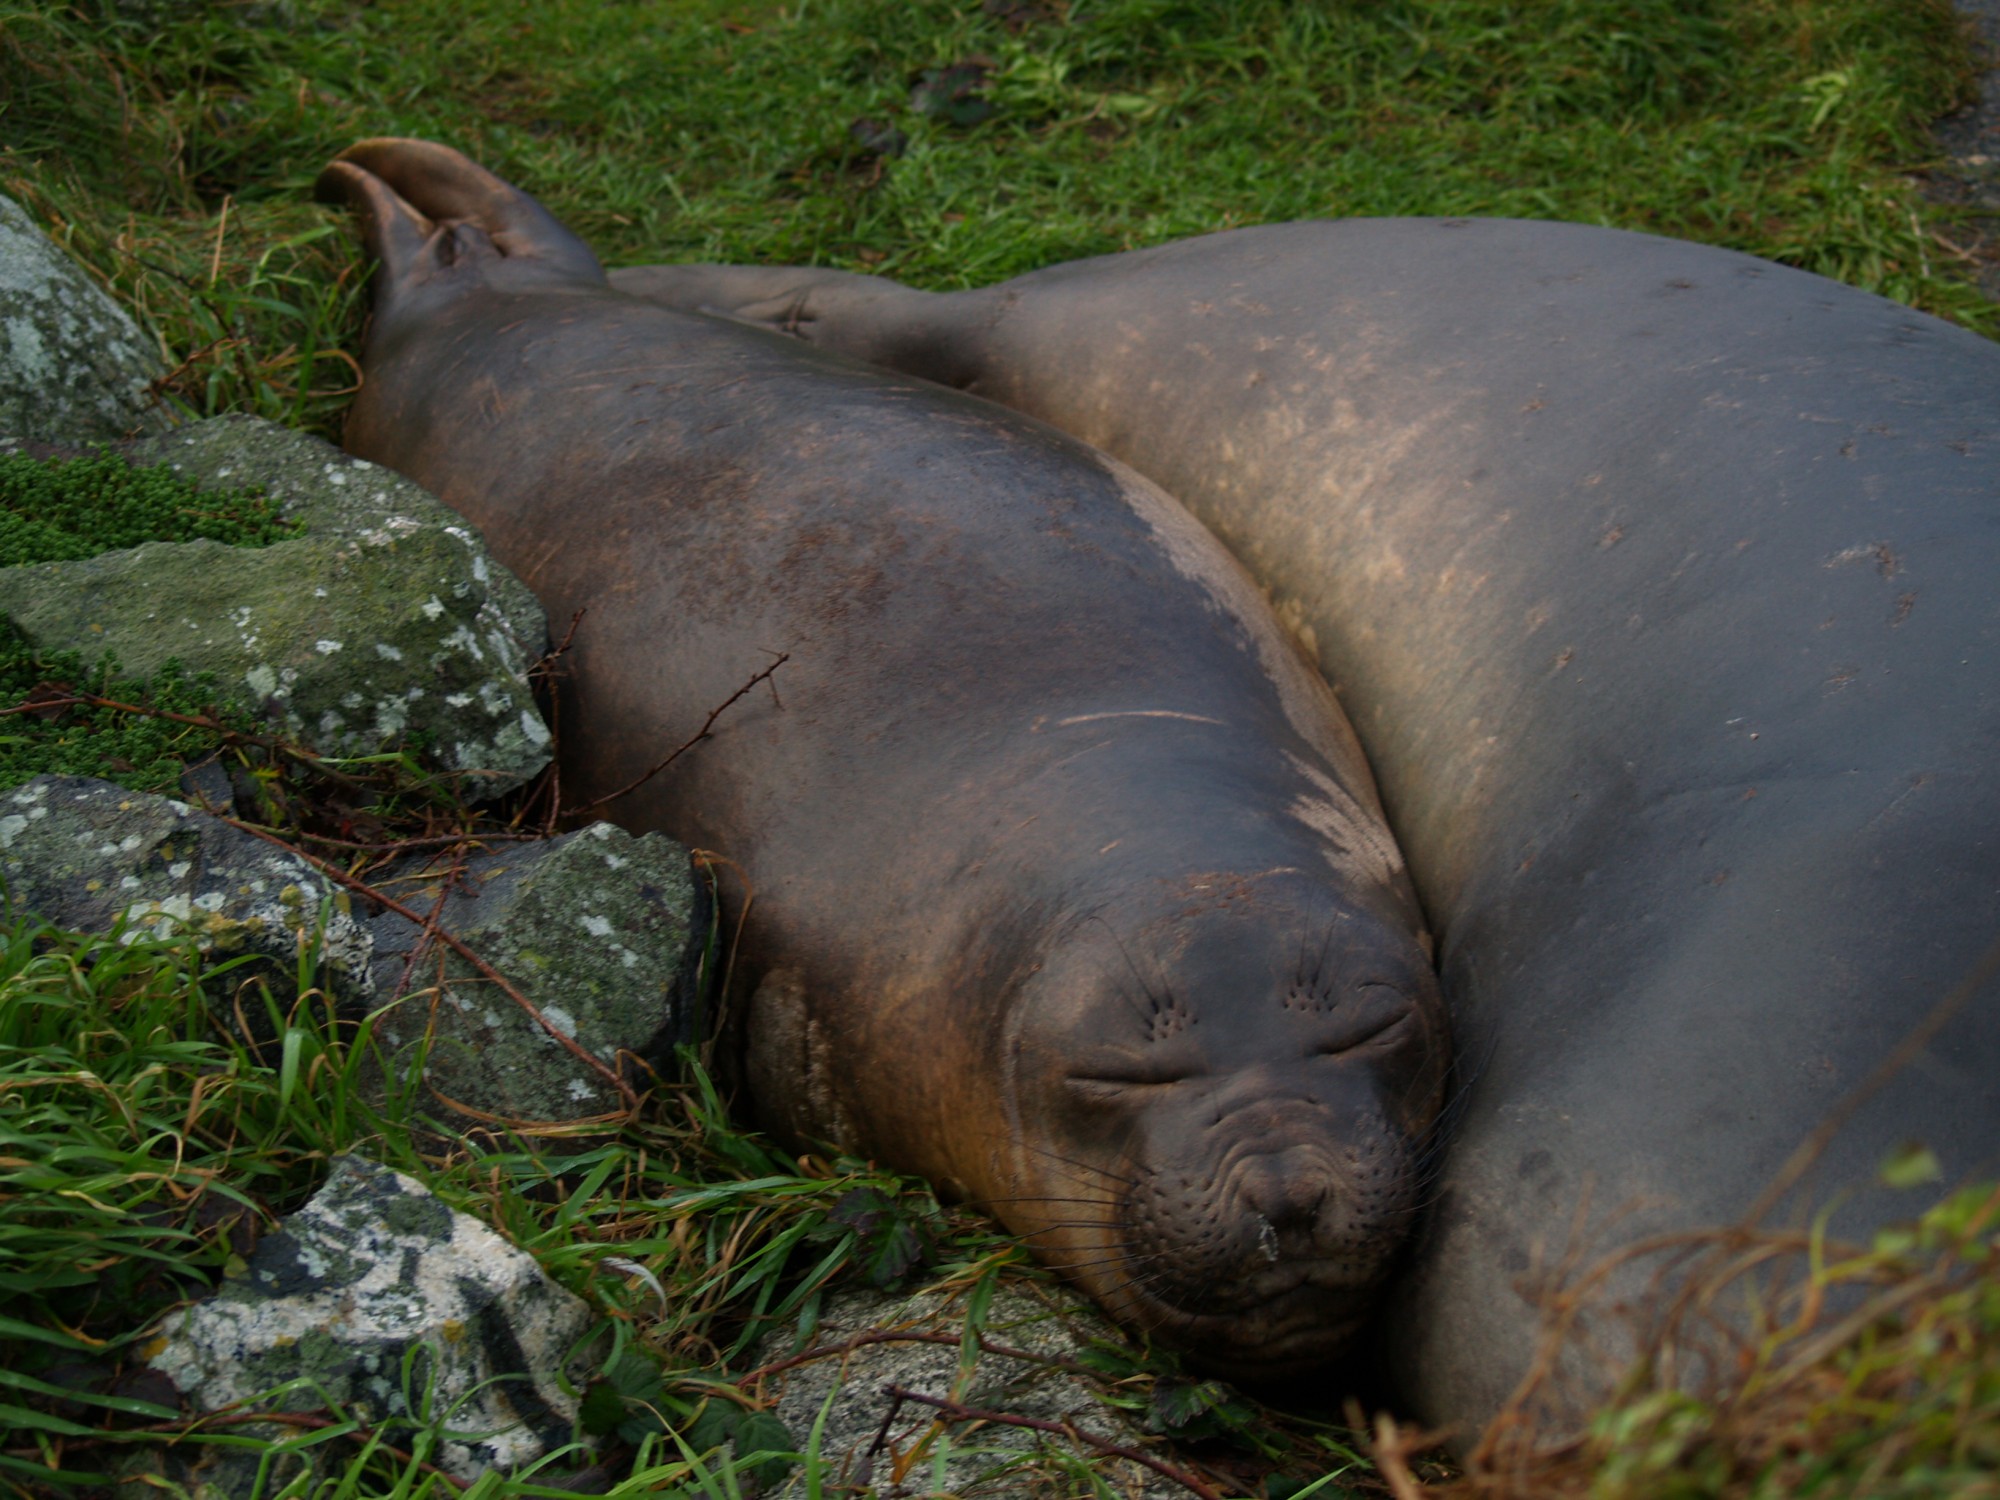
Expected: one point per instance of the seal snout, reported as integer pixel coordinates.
(1307, 1219)
(1291, 1198)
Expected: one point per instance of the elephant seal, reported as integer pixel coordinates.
(1072, 892)
(1663, 586)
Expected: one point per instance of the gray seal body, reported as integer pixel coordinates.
(1663, 586)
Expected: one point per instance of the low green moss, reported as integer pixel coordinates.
(59, 510)
(45, 729)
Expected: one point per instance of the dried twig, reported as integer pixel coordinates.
(955, 1411)
(440, 841)
(708, 859)
(1391, 1449)
(699, 735)
(485, 970)
(549, 670)
(891, 1336)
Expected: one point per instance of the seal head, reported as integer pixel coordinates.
(1235, 1090)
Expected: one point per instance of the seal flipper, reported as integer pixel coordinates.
(443, 228)
(788, 298)
(395, 233)
(452, 188)
(869, 318)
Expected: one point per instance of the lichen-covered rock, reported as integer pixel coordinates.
(351, 644)
(332, 493)
(401, 1311)
(73, 364)
(930, 1456)
(386, 620)
(601, 931)
(84, 854)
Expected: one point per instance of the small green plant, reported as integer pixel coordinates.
(143, 1149)
(49, 727)
(63, 509)
(66, 509)
(1868, 1370)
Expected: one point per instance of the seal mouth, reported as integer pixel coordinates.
(1314, 1285)
(1289, 1321)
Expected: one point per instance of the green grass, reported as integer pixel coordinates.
(146, 1144)
(172, 147)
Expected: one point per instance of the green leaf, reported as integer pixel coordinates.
(765, 1444)
(602, 1409)
(14, 1328)
(23, 1419)
(635, 1375)
(127, 1404)
(892, 1255)
(1910, 1165)
(1176, 1403)
(716, 1423)
(1109, 1359)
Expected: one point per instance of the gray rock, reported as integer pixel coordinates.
(386, 619)
(84, 854)
(930, 1457)
(600, 931)
(73, 364)
(398, 1309)
(333, 494)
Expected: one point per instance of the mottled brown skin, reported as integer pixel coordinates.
(1072, 889)
(1663, 585)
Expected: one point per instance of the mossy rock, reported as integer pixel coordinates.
(379, 623)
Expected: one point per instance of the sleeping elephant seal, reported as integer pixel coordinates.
(1072, 890)
(1663, 585)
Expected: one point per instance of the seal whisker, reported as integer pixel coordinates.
(1084, 1166)
(1121, 1245)
(1430, 1157)
(1161, 1002)
(1127, 1261)
(1133, 1308)
(1076, 1224)
(1326, 949)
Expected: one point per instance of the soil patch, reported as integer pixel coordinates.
(1970, 141)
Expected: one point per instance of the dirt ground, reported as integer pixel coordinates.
(1970, 140)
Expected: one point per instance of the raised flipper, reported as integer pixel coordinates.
(442, 226)
(869, 318)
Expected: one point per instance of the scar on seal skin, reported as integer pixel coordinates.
(1073, 893)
